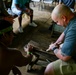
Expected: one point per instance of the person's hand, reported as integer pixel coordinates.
(28, 11)
(9, 18)
(51, 46)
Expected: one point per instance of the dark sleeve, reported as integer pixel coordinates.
(20, 60)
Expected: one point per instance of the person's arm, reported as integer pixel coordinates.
(68, 48)
(20, 60)
(18, 7)
(24, 60)
(57, 43)
(57, 52)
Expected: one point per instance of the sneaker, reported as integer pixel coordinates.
(33, 24)
(20, 30)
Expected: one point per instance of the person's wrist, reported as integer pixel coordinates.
(54, 48)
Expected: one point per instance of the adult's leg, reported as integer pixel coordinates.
(31, 12)
(20, 19)
(31, 15)
(49, 70)
(60, 67)
(20, 23)
(19, 13)
(53, 68)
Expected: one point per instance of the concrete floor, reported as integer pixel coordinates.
(41, 34)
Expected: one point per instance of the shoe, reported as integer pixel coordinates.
(33, 24)
(20, 30)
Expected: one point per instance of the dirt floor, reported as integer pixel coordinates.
(40, 34)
